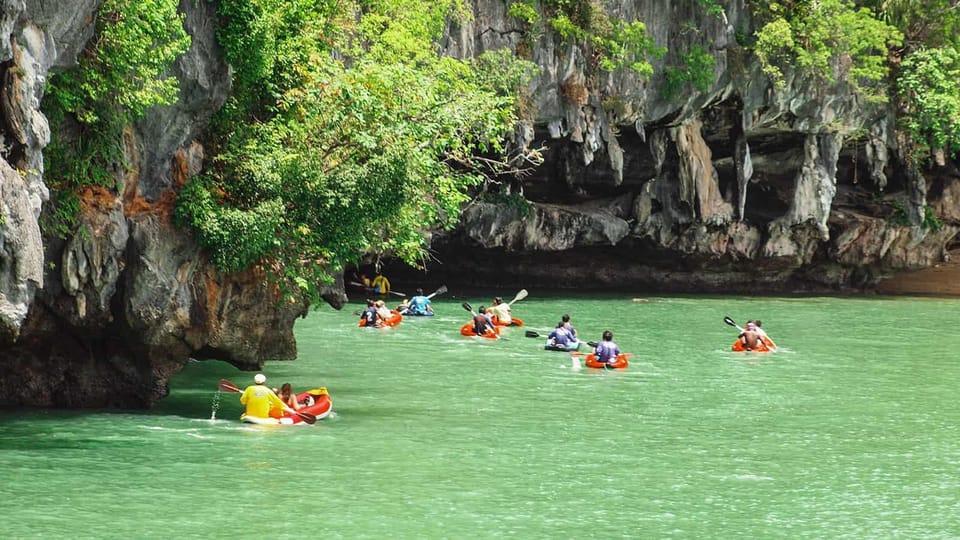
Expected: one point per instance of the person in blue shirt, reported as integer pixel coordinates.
(607, 351)
(419, 304)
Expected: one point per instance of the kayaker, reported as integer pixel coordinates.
(260, 399)
(383, 312)
(482, 324)
(760, 330)
(419, 304)
(369, 315)
(560, 336)
(607, 351)
(380, 284)
(501, 310)
(750, 338)
(288, 397)
(566, 324)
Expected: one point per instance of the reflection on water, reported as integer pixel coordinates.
(850, 431)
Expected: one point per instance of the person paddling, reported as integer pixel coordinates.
(482, 324)
(566, 324)
(607, 351)
(419, 304)
(369, 316)
(260, 399)
(502, 311)
(750, 338)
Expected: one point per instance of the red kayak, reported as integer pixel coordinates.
(318, 404)
(513, 322)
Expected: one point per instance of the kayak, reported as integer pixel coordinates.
(395, 319)
(620, 363)
(572, 346)
(418, 314)
(513, 322)
(320, 406)
(467, 330)
(766, 345)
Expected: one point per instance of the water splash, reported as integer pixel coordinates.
(215, 406)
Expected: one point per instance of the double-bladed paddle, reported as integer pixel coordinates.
(534, 334)
(441, 290)
(370, 289)
(732, 323)
(227, 386)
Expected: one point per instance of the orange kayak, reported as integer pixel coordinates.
(513, 322)
(620, 363)
(467, 330)
(766, 345)
(395, 319)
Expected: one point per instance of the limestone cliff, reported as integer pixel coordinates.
(739, 187)
(107, 315)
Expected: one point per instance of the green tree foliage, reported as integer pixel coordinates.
(120, 75)
(929, 86)
(612, 43)
(927, 74)
(827, 40)
(348, 133)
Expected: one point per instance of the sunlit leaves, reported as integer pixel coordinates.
(358, 138)
(828, 40)
(929, 85)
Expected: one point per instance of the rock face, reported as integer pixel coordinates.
(739, 187)
(106, 316)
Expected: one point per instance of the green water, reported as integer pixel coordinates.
(851, 431)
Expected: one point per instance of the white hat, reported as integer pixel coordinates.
(259, 378)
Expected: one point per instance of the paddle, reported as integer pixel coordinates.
(468, 307)
(370, 289)
(228, 386)
(731, 322)
(441, 290)
(520, 296)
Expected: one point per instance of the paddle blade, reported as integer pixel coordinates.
(520, 296)
(307, 417)
(729, 321)
(441, 290)
(592, 344)
(531, 333)
(467, 306)
(227, 386)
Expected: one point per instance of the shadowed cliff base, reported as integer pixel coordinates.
(939, 280)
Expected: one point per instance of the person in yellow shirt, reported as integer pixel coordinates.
(380, 284)
(261, 401)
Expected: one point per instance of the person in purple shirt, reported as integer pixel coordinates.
(607, 351)
(560, 336)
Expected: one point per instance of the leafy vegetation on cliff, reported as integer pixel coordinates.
(348, 133)
(119, 76)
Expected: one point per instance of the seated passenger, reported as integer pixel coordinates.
(607, 351)
(560, 337)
